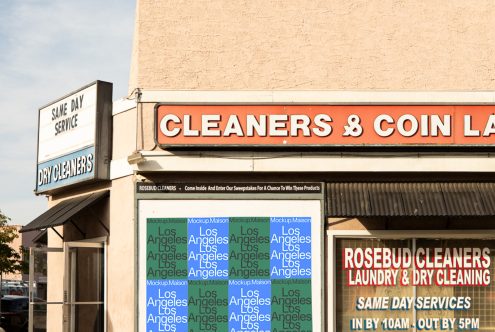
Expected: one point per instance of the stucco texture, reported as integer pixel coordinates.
(314, 45)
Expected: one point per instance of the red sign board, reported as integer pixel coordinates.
(329, 125)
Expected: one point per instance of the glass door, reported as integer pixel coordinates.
(84, 287)
(45, 292)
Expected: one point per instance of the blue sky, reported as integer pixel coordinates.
(48, 49)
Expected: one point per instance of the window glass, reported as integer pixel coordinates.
(415, 285)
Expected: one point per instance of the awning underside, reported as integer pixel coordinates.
(64, 211)
(405, 199)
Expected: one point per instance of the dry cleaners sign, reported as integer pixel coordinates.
(74, 138)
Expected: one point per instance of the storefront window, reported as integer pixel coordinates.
(415, 285)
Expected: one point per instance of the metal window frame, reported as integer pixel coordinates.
(333, 235)
(32, 250)
(99, 243)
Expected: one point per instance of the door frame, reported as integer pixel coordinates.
(69, 304)
(32, 251)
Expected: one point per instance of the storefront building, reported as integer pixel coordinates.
(278, 167)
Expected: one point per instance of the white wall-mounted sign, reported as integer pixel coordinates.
(74, 137)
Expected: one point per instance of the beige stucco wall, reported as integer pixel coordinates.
(121, 249)
(342, 45)
(121, 257)
(55, 281)
(124, 134)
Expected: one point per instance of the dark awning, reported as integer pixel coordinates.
(41, 238)
(64, 211)
(402, 199)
